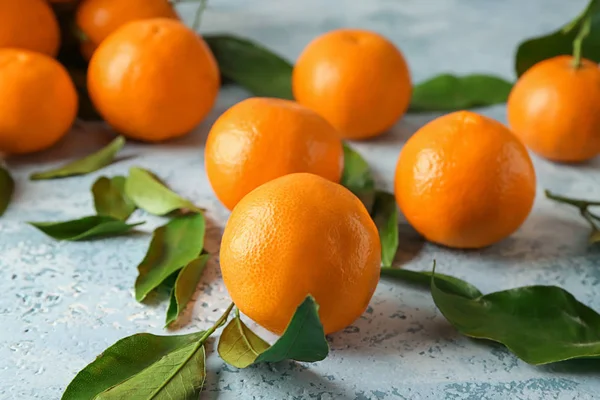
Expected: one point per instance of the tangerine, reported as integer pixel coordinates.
(38, 101)
(153, 79)
(260, 139)
(297, 235)
(356, 79)
(554, 108)
(465, 181)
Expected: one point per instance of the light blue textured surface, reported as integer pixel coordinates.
(61, 304)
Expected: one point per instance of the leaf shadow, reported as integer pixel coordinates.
(285, 378)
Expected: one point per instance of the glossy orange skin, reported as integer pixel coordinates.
(465, 181)
(260, 139)
(38, 101)
(358, 80)
(153, 79)
(297, 235)
(554, 109)
(97, 19)
(30, 25)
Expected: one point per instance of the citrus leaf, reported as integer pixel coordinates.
(151, 195)
(450, 92)
(110, 199)
(85, 228)
(88, 164)
(539, 324)
(7, 188)
(238, 345)
(303, 340)
(185, 287)
(560, 42)
(422, 279)
(385, 216)
(357, 177)
(144, 366)
(252, 66)
(173, 246)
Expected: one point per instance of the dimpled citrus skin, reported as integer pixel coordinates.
(99, 18)
(358, 80)
(29, 24)
(554, 109)
(297, 235)
(38, 101)
(463, 180)
(153, 80)
(260, 139)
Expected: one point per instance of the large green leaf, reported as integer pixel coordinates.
(91, 163)
(173, 246)
(448, 92)
(357, 177)
(303, 340)
(151, 195)
(560, 42)
(385, 215)
(185, 287)
(7, 188)
(144, 366)
(252, 66)
(85, 228)
(540, 324)
(110, 199)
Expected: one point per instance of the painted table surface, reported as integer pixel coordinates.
(61, 304)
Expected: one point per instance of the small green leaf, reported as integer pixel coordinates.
(539, 324)
(85, 228)
(144, 366)
(151, 195)
(185, 287)
(110, 198)
(357, 177)
(303, 340)
(7, 188)
(238, 345)
(173, 246)
(595, 236)
(422, 279)
(88, 164)
(449, 92)
(385, 215)
(252, 66)
(560, 42)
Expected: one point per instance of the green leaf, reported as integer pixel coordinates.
(303, 340)
(422, 279)
(385, 215)
(185, 287)
(144, 366)
(540, 324)
(252, 66)
(173, 246)
(449, 92)
(560, 42)
(151, 195)
(110, 198)
(85, 165)
(85, 228)
(357, 177)
(7, 188)
(238, 345)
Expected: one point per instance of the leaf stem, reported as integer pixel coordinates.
(581, 204)
(217, 324)
(584, 31)
(198, 15)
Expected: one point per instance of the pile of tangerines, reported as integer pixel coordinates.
(463, 180)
